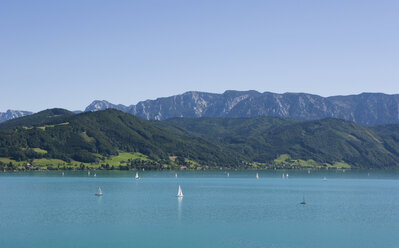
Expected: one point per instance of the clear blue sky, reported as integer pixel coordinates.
(69, 53)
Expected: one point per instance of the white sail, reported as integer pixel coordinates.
(257, 176)
(99, 192)
(283, 177)
(175, 175)
(95, 174)
(228, 174)
(63, 174)
(179, 192)
(286, 175)
(137, 175)
(88, 173)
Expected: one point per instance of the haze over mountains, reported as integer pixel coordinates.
(364, 109)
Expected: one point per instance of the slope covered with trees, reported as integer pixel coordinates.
(85, 136)
(96, 137)
(325, 141)
(55, 115)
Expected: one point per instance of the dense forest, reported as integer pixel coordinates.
(85, 136)
(325, 141)
(91, 137)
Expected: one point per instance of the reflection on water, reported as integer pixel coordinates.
(179, 207)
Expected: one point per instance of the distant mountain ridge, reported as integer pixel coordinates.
(12, 114)
(364, 109)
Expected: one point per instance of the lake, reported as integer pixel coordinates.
(350, 209)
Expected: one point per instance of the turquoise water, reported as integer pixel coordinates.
(352, 209)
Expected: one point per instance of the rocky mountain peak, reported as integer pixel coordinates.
(12, 114)
(98, 105)
(364, 109)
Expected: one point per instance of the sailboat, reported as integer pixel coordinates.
(63, 174)
(88, 173)
(95, 174)
(179, 192)
(228, 174)
(303, 202)
(286, 175)
(175, 175)
(137, 175)
(324, 179)
(257, 176)
(99, 192)
(283, 177)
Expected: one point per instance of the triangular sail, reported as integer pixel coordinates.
(99, 192)
(179, 192)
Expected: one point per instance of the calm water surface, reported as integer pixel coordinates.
(351, 209)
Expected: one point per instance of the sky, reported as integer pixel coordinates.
(68, 53)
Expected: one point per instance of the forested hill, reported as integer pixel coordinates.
(55, 115)
(84, 137)
(98, 137)
(325, 141)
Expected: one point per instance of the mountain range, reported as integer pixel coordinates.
(366, 109)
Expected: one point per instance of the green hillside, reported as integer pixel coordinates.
(327, 141)
(55, 115)
(112, 139)
(92, 136)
